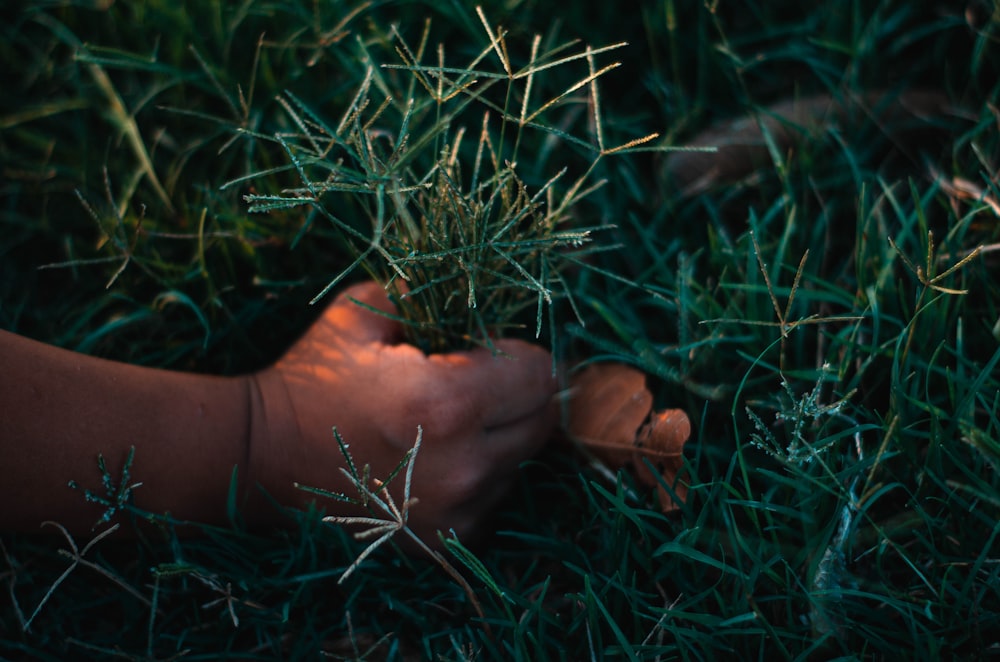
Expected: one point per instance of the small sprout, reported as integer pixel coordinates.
(116, 497)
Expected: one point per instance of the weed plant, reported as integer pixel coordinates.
(829, 320)
(462, 254)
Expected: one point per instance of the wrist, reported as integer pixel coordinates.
(272, 439)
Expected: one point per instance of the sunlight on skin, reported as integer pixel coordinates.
(482, 415)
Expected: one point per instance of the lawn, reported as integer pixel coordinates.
(825, 307)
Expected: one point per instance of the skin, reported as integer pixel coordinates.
(481, 415)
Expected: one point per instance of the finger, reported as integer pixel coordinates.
(503, 387)
(468, 518)
(363, 313)
(506, 447)
(469, 521)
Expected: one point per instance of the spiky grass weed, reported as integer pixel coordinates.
(387, 518)
(461, 240)
(116, 497)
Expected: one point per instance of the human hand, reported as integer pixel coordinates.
(481, 414)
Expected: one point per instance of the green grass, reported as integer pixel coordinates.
(842, 379)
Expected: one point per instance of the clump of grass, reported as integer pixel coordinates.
(454, 232)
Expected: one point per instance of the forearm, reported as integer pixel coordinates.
(479, 416)
(59, 409)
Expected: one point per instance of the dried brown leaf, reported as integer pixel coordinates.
(610, 414)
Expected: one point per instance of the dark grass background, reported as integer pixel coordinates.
(791, 544)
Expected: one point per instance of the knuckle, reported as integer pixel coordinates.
(445, 410)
